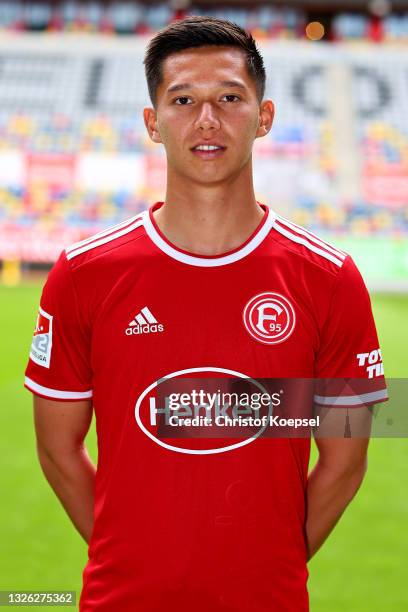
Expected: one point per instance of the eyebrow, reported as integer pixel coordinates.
(181, 86)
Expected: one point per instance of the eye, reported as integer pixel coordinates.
(231, 97)
(182, 101)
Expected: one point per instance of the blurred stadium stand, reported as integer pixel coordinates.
(124, 17)
(281, 20)
(75, 158)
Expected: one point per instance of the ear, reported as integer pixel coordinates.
(266, 116)
(150, 120)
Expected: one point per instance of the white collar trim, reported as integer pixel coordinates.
(211, 262)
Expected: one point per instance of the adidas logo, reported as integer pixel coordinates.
(144, 323)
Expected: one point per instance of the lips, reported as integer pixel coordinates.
(207, 147)
(208, 150)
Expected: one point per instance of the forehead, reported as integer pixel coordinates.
(204, 65)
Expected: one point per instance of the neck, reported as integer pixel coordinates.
(209, 219)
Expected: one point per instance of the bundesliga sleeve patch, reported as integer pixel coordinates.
(42, 340)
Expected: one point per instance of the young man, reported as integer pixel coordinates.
(209, 283)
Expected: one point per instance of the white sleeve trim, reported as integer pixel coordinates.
(56, 393)
(351, 400)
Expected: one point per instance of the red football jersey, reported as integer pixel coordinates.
(184, 523)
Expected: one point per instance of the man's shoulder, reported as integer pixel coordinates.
(110, 243)
(300, 246)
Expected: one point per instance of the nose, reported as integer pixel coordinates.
(207, 118)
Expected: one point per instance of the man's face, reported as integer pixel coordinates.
(207, 98)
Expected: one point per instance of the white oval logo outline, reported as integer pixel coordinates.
(194, 451)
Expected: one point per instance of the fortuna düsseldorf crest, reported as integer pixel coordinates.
(269, 318)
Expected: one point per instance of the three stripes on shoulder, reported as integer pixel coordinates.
(311, 241)
(105, 236)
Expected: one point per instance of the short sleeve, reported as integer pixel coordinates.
(59, 362)
(349, 363)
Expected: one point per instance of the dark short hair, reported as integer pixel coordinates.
(195, 32)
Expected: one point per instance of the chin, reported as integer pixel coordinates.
(212, 181)
(208, 175)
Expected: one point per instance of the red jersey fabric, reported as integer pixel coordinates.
(220, 530)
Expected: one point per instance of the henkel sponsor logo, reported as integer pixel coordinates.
(42, 340)
(190, 411)
(372, 363)
(269, 318)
